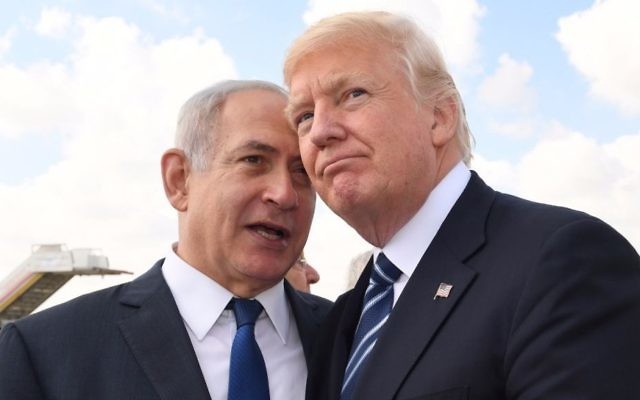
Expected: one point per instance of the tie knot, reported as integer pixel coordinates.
(384, 272)
(246, 311)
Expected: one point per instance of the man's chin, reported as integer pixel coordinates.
(345, 190)
(266, 269)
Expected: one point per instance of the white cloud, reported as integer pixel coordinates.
(509, 87)
(517, 129)
(115, 100)
(453, 23)
(171, 12)
(5, 41)
(460, 27)
(601, 42)
(569, 169)
(40, 89)
(53, 22)
(500, 174)
(114, 72)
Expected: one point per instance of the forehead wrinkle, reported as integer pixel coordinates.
(327, 86)
(336, 81)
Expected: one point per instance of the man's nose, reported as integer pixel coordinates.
(326, 126)
(280, 191)
(312, 275)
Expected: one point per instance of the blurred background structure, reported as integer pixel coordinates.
(45, 271)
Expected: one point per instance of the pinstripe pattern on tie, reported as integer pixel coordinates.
(378, 301)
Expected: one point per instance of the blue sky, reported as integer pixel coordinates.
(90, 92)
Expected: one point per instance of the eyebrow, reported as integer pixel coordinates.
(256, 145)
(294, 104)
(330, 84)
(262, 147)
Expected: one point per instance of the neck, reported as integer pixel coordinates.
(241, 286)
(379, 231)
(378, 223)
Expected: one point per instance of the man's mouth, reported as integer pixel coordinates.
(332, 163)
(270, 231)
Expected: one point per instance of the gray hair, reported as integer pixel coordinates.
(419, 55)
(199, 116)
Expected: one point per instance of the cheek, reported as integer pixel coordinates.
(229, 210)
(309, 153)
(305, 211)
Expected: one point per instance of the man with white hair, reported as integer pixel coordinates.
(471, 293)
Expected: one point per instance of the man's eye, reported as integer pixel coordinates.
(252, 159)
(301, 170)
(357, 92)
(302, 178)
(304, 117)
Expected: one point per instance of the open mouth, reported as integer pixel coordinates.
(270, 232)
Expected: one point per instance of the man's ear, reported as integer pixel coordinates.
(175, 177)
(445, 114)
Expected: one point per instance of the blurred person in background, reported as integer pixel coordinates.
(357, 265)
(302, 275)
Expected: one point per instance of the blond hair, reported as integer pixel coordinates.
(420, 57)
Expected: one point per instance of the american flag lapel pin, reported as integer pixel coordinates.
(443, 290)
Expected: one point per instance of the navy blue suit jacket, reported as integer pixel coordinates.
(545, 305)
(125, 342)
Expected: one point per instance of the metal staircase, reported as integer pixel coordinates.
(47, 269)
(43, 286)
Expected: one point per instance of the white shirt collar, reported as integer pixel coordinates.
(201, 300)
(408, 245)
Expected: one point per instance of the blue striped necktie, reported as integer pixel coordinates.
(378, 301)
(247, 372)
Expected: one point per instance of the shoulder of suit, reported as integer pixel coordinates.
(319, 303)
(93, 303)
(77, 311)
(510, 205)
(539, 223)
(535, 211)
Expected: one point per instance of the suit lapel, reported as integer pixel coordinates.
(416, 316)
(345, 330)
(413, 323)
(306, 316)
(158, 339)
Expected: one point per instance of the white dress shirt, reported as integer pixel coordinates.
(408, 245)
(201, 302)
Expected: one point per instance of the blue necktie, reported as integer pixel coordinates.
(378, 301)
(247, 372)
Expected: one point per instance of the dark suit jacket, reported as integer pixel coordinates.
(545, 305)
(125, 342)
